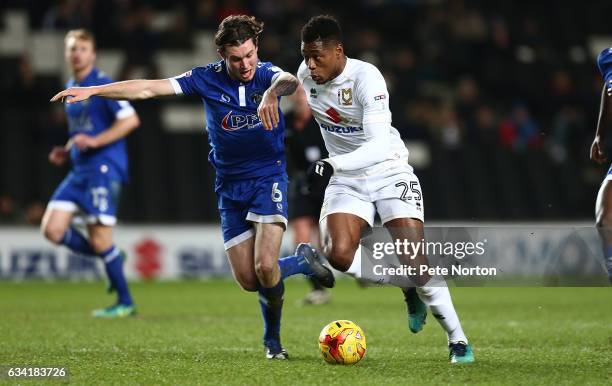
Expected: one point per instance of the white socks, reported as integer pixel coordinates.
(435, 295)
(441, 305)
(357, 271)
(355, 268)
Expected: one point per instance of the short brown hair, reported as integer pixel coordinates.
(81, 34)
(237, 29)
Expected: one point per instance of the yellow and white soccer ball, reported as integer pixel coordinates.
(342, 342)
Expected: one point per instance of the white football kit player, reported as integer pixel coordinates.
(370, 160)
(371, 170)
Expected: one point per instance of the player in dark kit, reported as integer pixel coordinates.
(97, 149)
(305, 146)
(246, 133)
(603, 206)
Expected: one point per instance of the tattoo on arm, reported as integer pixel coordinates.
(285, 84)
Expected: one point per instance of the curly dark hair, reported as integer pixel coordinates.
(237, 29)
(324, 27)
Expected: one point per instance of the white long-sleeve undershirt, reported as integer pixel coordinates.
(372, 152)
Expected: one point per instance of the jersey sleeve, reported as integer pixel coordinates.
(371, 92)
(267, 73)
(120, 109)
(188, 83)
(604, 62)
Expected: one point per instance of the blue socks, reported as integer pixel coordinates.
(113, 263)
(76, 242)
(271, 302)
(292, 265)
(271, 299)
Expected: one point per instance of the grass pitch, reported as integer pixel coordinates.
(209, 332)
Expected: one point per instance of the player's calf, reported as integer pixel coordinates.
(69, 237)
(271, 303)
(340, 253)
(246, 281)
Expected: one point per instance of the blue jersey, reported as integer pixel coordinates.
(240, 146)
(91, 117)
(604, 62)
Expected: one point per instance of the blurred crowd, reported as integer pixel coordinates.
(511, 76)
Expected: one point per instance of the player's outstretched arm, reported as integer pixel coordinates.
(284, 84)
(598, 153)
(126, 90)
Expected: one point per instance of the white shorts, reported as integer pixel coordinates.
(394, 193)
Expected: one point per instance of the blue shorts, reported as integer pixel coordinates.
(242, 202)
(95, 194)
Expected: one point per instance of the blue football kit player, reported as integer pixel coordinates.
(97, 149)
(246, 135)
(603, 206)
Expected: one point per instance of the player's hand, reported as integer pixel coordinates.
(58, 156)
(318, 176)
(268, 110)
(84, 142)
(598, 154)
(73, 94)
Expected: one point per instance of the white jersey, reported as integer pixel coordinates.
(352, 111)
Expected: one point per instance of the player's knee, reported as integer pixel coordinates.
(100, 243)
(340, 254)
(53, 233)
(265, 268)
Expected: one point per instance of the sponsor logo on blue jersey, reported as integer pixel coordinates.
(341, 129)
(238, 121)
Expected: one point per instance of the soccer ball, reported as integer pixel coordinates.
(342, 342)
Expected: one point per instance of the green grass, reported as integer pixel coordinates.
(209, 333)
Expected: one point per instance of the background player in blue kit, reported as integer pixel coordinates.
(97, 149)
(239, 94)
(603, 206)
